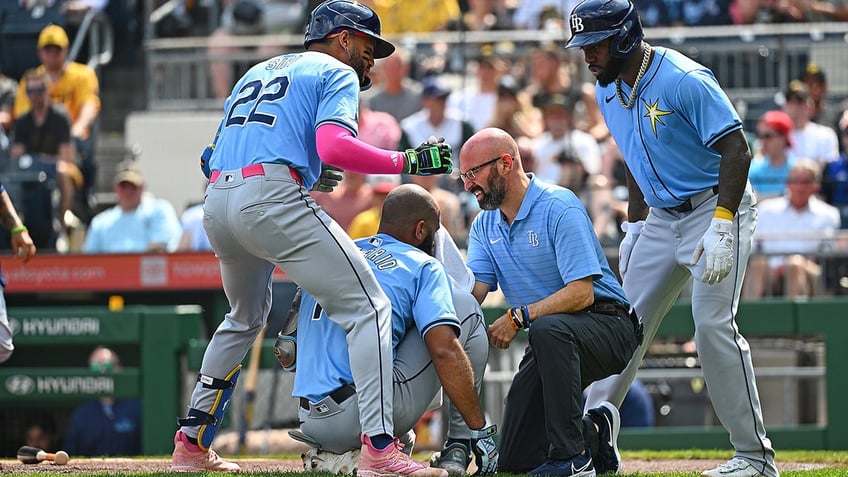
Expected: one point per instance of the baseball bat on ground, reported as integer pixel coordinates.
(34, 455)
(250, 390)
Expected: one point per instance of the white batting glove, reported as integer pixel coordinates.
(717, 242)
(631, 233)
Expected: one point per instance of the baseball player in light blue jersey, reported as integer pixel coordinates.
(429, 343)
(286, 120)
(691, 211)
(536, 242)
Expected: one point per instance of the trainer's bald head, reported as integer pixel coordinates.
(404, 207)
(486, 144)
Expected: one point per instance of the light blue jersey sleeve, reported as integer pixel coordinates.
(274, 109)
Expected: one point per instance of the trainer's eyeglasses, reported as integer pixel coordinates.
(471, 174)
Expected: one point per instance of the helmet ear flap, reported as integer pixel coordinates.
(625, 40)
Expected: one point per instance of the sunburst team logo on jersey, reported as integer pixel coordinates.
(655, 114)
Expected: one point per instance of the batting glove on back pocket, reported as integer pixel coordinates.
(717, 243)
(485, 450)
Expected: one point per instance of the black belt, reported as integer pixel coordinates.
(608, 308)
(617, 309)
(338, 396)
(688, 206)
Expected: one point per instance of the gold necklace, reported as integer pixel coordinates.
(646, 58)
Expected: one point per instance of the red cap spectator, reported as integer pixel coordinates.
(780, 122)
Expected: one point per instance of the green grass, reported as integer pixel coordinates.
(837, 462)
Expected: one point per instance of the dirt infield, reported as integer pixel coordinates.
(82, 466)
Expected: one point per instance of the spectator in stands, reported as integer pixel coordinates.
(654, 13)
(106, 426)
(550, 73)
(809, 139)
(563, 154)
(76, 87)
(790, 230)
(476, 102)
(43, 135)
(138, 222)
(396, 93)
(250, 17)
(22, 247)
(542, 14)
(434, 119)
(378, 128)
(193, 238)
(830, 10)
(822, 111)
(771, 164)
(353, 195)
(8, 87)
(835, 177)
(41, 434)
(366, 223)
(482, 15)
(414, 16)
(514, 112)
(548, 70)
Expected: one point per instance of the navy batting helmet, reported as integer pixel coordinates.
(592, 21)
(334, 15)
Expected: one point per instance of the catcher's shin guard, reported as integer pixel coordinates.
(209, 422)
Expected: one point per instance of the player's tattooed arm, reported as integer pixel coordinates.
(637, 209)
(733, 172)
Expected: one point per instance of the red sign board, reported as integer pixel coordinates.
(118, 272)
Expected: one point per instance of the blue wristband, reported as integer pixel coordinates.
(525, 315)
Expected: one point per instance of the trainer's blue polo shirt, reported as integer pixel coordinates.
(551, 243)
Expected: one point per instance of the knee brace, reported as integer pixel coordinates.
(209, 422)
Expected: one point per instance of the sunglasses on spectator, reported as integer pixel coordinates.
(767, 135)
(36, 90)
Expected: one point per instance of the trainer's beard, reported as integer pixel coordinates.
(611, 71)
(494, 198)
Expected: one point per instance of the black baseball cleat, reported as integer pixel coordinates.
(608, 420)
(578, 466)
(454, 458)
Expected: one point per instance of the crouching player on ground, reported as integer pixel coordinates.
(439, 341)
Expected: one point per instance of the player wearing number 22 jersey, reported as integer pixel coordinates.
(286, 120)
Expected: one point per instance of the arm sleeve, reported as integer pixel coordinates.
(337, 147)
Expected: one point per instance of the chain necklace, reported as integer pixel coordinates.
(646, 58)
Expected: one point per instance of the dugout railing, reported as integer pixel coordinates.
(752, 62)
(764, 320)
(49, 367)
(823, 319)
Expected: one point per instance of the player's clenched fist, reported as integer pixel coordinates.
(329, 178)
(717, 242)
(431, 157)
(502, 331)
